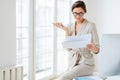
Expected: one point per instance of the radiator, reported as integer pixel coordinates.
(11, 73)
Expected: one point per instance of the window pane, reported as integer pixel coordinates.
(22, 37)
(63, 16)
(44, 38)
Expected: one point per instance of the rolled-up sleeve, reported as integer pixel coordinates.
(95, 38)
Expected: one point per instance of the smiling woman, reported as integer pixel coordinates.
(81, 59)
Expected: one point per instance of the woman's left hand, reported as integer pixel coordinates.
(92, 48)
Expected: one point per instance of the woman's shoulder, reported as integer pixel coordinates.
(90, 22)
(91, 25)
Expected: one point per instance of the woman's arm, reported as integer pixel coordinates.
(66, 29)
(94, 46)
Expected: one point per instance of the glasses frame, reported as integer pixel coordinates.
(80, 14)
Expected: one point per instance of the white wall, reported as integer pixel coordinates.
(109, 57)
(7, 32)
(110, 16)
(93, 13)
(105, 14)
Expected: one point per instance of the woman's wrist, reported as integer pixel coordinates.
(67, 32)
(65, 28)
(96, 50)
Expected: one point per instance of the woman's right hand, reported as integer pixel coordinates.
(61, 26)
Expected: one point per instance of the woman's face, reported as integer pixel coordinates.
(78, 13)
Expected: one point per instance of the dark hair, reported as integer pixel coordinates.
(79, 3)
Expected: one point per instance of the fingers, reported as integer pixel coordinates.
(61, 26)
(89, 46)
(58, 24)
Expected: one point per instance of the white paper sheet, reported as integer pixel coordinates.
(77, 41)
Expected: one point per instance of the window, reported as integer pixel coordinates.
(22, 34)
(47, 39)
(63, 8)
(44, 37)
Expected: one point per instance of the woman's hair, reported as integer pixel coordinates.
(79, 3)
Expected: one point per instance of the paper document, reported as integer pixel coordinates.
(77, 41)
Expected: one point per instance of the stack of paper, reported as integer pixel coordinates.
(88, 78)
(84, 78)
(77, 41)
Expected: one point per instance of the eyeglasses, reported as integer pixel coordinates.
(79, 14)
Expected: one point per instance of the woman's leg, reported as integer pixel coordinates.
(77, 71)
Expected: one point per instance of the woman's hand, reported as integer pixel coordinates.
(61, 26)
(93, 48)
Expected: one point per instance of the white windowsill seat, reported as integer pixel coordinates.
(116, 77)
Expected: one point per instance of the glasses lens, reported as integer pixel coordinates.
(79, 14)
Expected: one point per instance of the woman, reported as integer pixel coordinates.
(81, 60)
